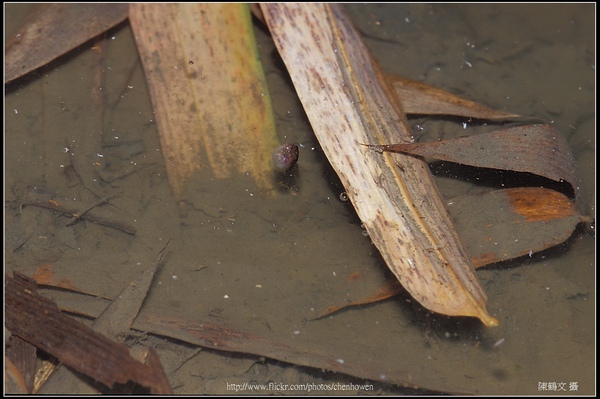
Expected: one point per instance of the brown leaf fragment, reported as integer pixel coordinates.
(505, 224)
(52, 30)
(226, 338)
(39, 321)
(389, 289)
(537, 149)
(114, 320)
(20, 364)
(119, 315)
(423, 99)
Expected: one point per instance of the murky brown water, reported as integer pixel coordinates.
(268, 265)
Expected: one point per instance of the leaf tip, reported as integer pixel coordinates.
(488, 320)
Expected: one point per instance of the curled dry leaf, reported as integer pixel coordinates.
(423, 99)
(538, 149)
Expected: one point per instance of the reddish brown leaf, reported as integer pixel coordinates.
(389, 289)
(537, 149)
(38, 321)
(505, 224)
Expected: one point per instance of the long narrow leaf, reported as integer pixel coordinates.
(208, 90)
(348, 101)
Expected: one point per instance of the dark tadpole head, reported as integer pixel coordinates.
(285, 157)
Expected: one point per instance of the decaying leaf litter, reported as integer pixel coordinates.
(349, 101)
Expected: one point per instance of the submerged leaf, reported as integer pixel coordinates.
(505, 224)
(423, 99)
(348, 101)
(208, 90)
(537, 149)
(389, 289)
(497, 226)
(52, 30)
(39, 321)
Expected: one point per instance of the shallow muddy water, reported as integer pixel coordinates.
(268, 265)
